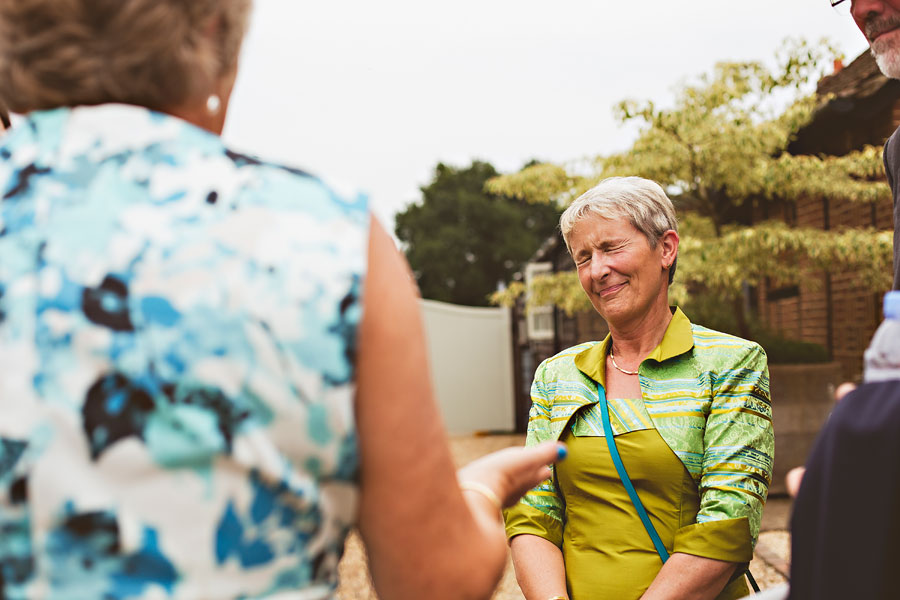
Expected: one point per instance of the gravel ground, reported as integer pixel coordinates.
(771, 559)
(768, 566)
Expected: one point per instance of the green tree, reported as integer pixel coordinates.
(720, 151)
(461, 241)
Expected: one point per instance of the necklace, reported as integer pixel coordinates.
(613, 358)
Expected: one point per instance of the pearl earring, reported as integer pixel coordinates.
(213, 104)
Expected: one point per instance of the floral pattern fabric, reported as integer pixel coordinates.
(178, 325)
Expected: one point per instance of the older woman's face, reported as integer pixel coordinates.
(621, 274)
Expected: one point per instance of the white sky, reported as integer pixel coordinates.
(374, 94)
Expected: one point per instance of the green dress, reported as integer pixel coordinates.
(607, 551)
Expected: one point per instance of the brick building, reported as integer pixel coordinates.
(829, 308)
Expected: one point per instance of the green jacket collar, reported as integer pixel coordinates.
(678, 339)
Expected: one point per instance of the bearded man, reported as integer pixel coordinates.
(845, 523)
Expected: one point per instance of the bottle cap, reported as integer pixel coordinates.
(892, 305)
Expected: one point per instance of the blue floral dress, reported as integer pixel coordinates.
(178, 325)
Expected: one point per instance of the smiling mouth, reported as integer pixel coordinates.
(612, 289)
(875, 36)
(877, 27)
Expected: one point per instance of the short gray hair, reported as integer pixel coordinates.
(642, 202)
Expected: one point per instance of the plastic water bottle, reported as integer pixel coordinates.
(882, 357)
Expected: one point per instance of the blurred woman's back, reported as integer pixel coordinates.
(193, 402)
(188, 338)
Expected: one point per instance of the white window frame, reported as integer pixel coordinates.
(538, 319)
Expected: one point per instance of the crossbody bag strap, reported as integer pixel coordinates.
(626, 481)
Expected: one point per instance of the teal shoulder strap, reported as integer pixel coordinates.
(626, 481)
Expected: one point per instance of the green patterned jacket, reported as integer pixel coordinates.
(708, 396)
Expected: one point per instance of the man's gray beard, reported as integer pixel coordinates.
(885, 51)
(888, 60)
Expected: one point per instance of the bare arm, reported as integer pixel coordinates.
(540, 569)
(424, 537)
(689, 577)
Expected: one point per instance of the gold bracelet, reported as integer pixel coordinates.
(558, 598)
(480, 488)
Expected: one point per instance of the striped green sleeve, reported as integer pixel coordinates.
(738, 444)
(540, 511)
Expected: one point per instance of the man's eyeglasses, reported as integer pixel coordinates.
(841, 6)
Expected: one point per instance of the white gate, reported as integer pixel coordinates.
(470, 353)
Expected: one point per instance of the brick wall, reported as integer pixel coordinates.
(832, 309)
(828, 309)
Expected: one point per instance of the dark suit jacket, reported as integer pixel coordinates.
(845, 525)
